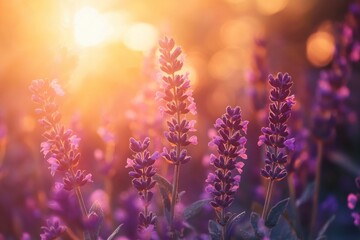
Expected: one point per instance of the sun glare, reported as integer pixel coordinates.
(140, 37)
(90, 27)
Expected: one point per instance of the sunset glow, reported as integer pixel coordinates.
(209, 119)
(90, 27)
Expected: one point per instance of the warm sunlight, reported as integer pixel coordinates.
(140, 37)
(90, 27)
(320, 48)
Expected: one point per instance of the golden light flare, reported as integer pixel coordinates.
(140, 37)
(90, 27)
(240, 32)
(320, 48)
(267, 7)
(229, 63)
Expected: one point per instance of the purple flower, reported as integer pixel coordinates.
(176, 96)
(142, 172)
(257, 76)
(57, 88)
(275, 136)
(78, 179)
(61, 148)
(52, 230)
(54, 164)
(352, 200)
(356, 217)
(223, 183)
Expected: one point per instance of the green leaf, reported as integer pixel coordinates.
(306, 195)
(114, 233)
(163, 182)
(254, 220)
(276, 212)
(214, 230)
(194, 208)
(234, 220)
(322, 231)
(245, 235)
(283, 230)
(166, 192)
(166, 196)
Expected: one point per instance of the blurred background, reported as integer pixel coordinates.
(104, 53)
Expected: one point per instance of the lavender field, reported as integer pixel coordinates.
(209, 119)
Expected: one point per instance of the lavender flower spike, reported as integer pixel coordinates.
(142, 171)
(275, 136)
(230, 143)
(176, 96)
(53, 230)
(61, 148)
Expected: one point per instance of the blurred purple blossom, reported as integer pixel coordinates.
(52, 230)
(257, 77)
(142, 171)
(61, 148)
(352, 202)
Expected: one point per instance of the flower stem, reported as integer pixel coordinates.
(267, 199)
(292, 193)
(319, 157)
(79, 196)
(223, 227)
(174, 195)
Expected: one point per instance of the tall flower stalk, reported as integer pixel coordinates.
(275, 136)
(176, 95)
(142, 171)
(332, 93)
(61, 148)
(230, 145)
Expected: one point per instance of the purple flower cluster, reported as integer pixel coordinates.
(275, 136)
(257, 76)
(176, 95)
(230, 144)
(332, 89)
(53, 230)
(61, 148)
(142, 171)
(353, 199)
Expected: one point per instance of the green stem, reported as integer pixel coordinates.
(292, 193)
(223, 227)
(267, 199)
(319, 157)
(79, 197)
(174, 194)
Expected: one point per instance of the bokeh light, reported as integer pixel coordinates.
(320, 48)
(232, 31)
(90, 27)
(267, 7)
(140, 37)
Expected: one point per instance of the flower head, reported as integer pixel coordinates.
(230, 145)
(61, 148)
(176, 96)
(275, 136)
(142, 172)
(52, 230)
